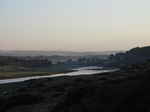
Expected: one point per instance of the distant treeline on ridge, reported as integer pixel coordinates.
(15, 61)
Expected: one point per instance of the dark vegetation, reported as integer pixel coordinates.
(16, 67)
(127, 90)
(15, 61)
(132, 56)
(84, 61)
(114, 92)
(14, 101)
(121, 95)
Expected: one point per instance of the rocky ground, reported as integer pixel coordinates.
(108, 92)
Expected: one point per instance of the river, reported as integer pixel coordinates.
(79, 71)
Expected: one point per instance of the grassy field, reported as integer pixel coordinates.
(7, 72)
(9, 75)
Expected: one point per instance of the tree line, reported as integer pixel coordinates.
(16, 61)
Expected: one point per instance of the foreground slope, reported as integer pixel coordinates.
(109, 92)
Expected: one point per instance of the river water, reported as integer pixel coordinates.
(79, 71)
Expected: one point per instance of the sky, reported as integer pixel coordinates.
(74, 25)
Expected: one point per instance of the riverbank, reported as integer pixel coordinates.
(10, 73)
(106, 92)
(72, 72)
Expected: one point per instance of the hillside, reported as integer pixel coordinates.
(137, 54)
(134, 55)
(108, 92)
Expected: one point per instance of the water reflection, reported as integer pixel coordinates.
(80, 71)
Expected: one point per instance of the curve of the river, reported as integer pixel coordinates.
(79, 71)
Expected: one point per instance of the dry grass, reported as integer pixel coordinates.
(8, 75)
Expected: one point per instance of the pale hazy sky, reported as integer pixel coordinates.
(74, 25)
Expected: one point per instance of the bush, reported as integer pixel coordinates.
(14, 101)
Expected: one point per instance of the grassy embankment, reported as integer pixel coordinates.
(7, 72)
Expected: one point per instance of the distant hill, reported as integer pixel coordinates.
(51, 53)
(138, 54)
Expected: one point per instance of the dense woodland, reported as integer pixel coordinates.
(132, 56)
(15, 61)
